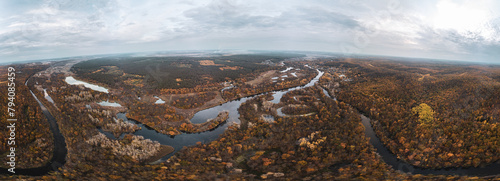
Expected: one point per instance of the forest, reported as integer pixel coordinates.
(190, 102)
(33, 139)
(263, 150)
(327, 146)
(132, 77)
(431, 115)
(174, 72)
(90, 156)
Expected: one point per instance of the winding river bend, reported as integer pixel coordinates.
(184, 139)
(189, 139)
(179, 141)
(392, 160)
(60, 150)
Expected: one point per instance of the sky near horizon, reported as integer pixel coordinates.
(466, 30)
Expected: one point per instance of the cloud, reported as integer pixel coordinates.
(55, 28)
(321, 16)
(224, 14)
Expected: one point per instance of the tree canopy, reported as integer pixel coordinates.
(424, 112)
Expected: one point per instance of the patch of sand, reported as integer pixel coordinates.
(230, 68)
(264, 76)
(208, 63)
(423, 76)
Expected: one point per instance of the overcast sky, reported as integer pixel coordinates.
(441, 29)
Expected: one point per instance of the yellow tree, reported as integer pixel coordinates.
(424, 112)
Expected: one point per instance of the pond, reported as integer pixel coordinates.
(286, 70)
(159, 101)
(110, 104)
(227, 88)
(72, 81)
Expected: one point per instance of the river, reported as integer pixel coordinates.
(392, 159)
(59, 153)
(185, 139)
(179, 141)
(189, 139)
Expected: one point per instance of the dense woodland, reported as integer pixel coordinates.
(259, 149)
(174, 72)
(429, 114)
(33, 139)
(161, 117)
(327, 145)
(86, 160)
(189, 102)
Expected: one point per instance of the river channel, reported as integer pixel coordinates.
(60, 150)
(392, 159)
(189, 139)
(185, 139)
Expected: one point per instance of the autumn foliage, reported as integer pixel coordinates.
(429, 114)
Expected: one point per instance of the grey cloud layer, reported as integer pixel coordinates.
(56, 28)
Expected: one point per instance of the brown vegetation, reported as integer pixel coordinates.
(446, 119)
(33, 139)
(461, 113)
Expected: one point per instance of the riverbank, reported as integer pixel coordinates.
(206, 126)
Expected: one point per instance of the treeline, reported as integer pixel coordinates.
(298, 102)
(297, 110)
(189, 102)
